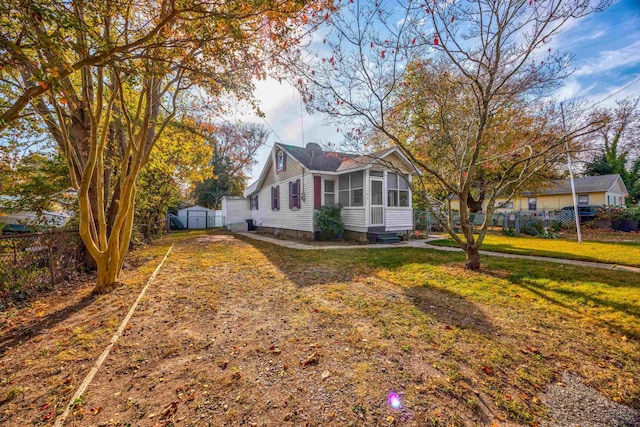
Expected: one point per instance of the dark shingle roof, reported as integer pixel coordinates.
(331, 161)
(317, 160)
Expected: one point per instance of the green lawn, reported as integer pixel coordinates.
(624, 253)
(321, 337)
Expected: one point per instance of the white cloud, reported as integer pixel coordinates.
(570, 90)
(280, 103)
(608, 95)
(611, 59)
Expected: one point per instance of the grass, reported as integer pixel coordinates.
(230, 324)
(624, 253)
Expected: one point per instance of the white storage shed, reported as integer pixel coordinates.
(196, 217)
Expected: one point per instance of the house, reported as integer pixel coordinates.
(602, 190)
(45, 218)
(373, 190)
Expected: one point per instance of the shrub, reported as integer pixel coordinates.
(510, 232)
(328, 221)
(546, 234)
(557, 225)
(532, 229)
(615, 213)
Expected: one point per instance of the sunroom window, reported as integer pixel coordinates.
(351, 189)
(398, 193)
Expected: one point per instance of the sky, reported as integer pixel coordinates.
(606, 49)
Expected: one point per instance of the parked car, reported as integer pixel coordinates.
(15, 229)
(587, 213)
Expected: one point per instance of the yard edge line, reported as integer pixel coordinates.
(87, 380)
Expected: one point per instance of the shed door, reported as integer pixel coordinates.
(377, 202)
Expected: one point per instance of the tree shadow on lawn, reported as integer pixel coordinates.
(507, 248)
(544, 252)
(555, 286)
(450, 308)
(19, 334)
(307, 268)
(537, 289)
(317, 267)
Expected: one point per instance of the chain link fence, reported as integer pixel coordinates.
(516, 220)
(33, 262)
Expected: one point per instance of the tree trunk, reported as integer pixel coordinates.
(473, 258)
(474, 205)
(108, 271)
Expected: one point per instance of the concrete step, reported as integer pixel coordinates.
(383, 237)
(395, 239)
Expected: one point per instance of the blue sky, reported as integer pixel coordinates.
(606, 49)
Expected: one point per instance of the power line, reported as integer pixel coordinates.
(301, 121)
(613, 94)
(274, 132)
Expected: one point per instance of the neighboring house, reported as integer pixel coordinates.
(603, 190)
(296, 181)
(47, 218)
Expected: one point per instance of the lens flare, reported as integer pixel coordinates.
(394, 400)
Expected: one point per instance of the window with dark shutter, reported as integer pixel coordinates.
(291, 195)
(294, 194)
(275, 198)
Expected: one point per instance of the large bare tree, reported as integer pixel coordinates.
(458, 86)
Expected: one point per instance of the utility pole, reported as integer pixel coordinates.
(573, 185)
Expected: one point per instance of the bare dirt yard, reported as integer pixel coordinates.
(240, 332)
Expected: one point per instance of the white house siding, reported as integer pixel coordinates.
(235, 210)
(290, 219)
(293, 170)
(615, 195)
(354, 219)
(398, 219)
(614, 199)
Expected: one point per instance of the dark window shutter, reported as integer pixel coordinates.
(257, 198)
(291, 190)
(298, 193)
(277, 197)
(284, 161)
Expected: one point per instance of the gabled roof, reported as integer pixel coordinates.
(317, 159)
(586, 184)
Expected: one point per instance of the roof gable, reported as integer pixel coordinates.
(586, 184)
